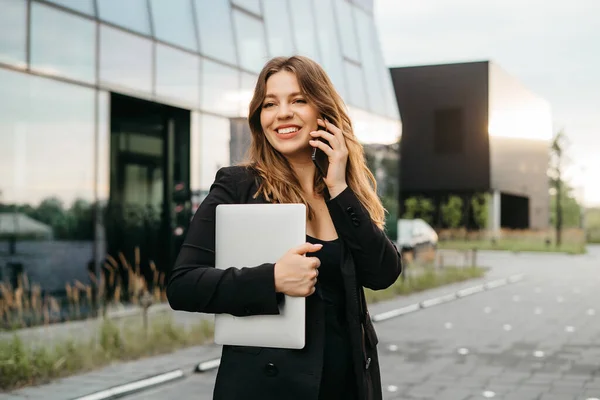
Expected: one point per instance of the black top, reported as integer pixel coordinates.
(337, 379)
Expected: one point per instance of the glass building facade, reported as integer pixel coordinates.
(115, 116)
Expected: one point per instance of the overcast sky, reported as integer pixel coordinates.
(551, 46)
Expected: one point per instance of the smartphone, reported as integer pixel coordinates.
(320, 159)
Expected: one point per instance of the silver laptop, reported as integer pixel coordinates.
(248, 235)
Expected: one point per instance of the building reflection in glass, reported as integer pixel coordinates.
(110, 145)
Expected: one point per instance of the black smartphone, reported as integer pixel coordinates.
(320, 159)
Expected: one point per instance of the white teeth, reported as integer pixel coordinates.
(287, 130)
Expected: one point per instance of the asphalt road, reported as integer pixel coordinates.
(535, 339)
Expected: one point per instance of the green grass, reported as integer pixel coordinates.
(23, 365)
(516, 245)
(592, 223)
(423, 278)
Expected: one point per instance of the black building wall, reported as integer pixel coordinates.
(445, 143)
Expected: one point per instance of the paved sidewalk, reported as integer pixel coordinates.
(536, 339)
(116, 374)
(187, 359)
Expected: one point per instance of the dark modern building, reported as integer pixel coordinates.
(471, 128)
(116, 114)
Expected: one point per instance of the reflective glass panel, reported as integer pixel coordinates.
(174, 22)
(125, 60)
(366, 5)
(215, 31)
(83, 6)
(13, 31)
(246, 92)
(178, 76)
(331, 59)
(387, 86)
(250, 5)
(214, 147)
(304, 29)
(62, 43)
(47, 181)
(279, 28)
(220, 88)
(346, 28)
(250, 36)
(368, 45)
(131, 14)
(358, 94)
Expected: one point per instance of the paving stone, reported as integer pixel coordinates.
(427, 361)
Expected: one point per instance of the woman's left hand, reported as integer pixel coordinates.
(337, 152)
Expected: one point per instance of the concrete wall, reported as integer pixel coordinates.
(520, 130)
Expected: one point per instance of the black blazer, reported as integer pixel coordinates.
(370, 259)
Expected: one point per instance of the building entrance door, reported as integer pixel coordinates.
(149, 203)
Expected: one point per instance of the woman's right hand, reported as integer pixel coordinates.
(296, 274)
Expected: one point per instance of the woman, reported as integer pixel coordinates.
(295, 104)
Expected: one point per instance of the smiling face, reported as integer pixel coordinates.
(286, 116)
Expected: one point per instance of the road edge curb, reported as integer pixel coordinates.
(139, 385)
(459, 294)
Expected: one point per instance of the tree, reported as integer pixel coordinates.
(418, 207)
(452, 212)
(411, 208)
(479, 205)
(426, 209)
(557, 152)
(570, 208)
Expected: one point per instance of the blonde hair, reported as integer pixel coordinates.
(279, 183)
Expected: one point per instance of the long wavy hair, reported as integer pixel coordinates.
(278, 182)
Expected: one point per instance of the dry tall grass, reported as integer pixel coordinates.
(25, 305)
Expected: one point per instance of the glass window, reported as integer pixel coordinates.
(62, 43)
(131, 14)
(358, 94)
(83, 6)
(279, 28)
(251, 41)
(250, 5)
(246, 91)
(366, 5)
(346, 28)
(387, 86)
(125, 60)
(368, 44)
(328, 41)
(13, 31)
(214, 147)
(304, 29)
(178, 75)
(220, 88)
(47, 178)
(174, 22)
(215, 31)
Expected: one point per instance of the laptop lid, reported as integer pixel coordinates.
(248, 235)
